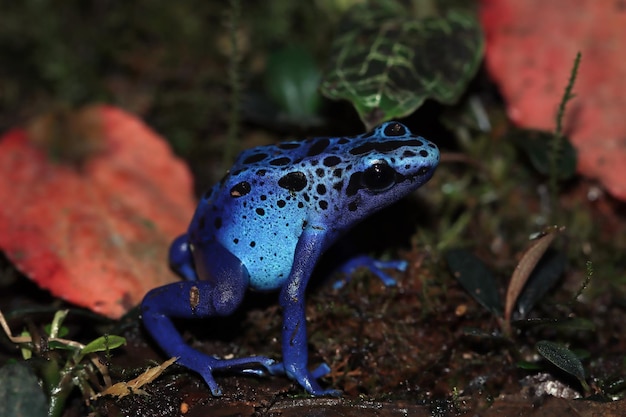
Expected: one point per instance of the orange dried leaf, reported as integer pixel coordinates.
(531, 46)
(92, 226)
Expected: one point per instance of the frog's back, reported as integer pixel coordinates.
(272, 193)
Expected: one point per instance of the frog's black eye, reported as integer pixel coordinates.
(395, 129)
(379, 177)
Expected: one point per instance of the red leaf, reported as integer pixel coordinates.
(95, 233)
(531, 46)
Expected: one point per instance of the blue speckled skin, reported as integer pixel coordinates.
(265, 225)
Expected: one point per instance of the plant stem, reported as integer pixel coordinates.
(235, 84)
(557, 141)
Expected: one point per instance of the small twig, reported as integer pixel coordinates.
(585, 283)
(29, 339)
(235, 83)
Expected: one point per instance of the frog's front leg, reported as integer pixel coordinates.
(219, 296)
(292, 300)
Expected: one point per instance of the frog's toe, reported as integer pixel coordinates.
(210, 381)
(328, 392)
(321, 370)
(373, 265)
(306, 379)
(266, 364)
(254, 371)
(384, 277)
(255, 365)
(310, 384)
(397, 264)
(277, 368)
(202, 364)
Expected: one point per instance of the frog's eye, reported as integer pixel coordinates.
(379, 177)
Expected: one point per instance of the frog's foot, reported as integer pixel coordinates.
(373, 265)
(306, 379)
(206, 365)
(278, 368)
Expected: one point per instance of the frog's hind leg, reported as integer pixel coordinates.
(219, 296)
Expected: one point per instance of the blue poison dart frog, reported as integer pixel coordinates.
(265, 225)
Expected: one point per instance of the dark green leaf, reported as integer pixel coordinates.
(614, 385)
(292, 80)
(481, 334)
(537, 145)
(562, 357)
(576, 324)
(475, 278)
(20, 393)
(387, 62)
(569, 323)
(581, 353)
(547, 272)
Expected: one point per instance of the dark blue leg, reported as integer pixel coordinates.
(294, 337)
(198, 299)
(373, 265)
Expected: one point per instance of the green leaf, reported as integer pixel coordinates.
(20, 393)
(537, 145)
(26, 350)
(55, 345)
(477, 280)
(61, 331)
(55, 326)
(563, 358)
(103, 343)
(387, 62)
(292, 79)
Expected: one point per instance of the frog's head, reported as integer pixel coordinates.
(328, 183)
(387, 164)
